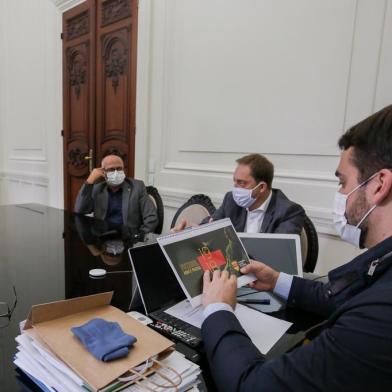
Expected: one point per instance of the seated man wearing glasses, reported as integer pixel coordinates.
(119, 200)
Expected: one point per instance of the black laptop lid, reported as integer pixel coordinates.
(157, 283)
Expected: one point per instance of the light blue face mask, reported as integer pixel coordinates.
(243, 196)
(347, 232)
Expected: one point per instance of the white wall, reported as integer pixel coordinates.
(216, 79)
(31, 102)
(2, 99)
(281, 78)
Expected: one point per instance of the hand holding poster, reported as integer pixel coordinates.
(207, 247)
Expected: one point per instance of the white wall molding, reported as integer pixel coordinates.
(31, 146)
(65, 5)
(371, 29)
(142, 139)
(174, 198)
(21, 187)
(40, 179)
(239, 153)
(193, 169)
(168, 10)
(175, 63)
(31, 154)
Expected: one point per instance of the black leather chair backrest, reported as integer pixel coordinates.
(157, 200)
(194, 210)
(309, 245)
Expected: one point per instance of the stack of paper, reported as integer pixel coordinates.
(44, 368)
(35, 359)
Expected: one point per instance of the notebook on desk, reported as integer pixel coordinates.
(159, 290)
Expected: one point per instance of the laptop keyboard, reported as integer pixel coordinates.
(175, 328)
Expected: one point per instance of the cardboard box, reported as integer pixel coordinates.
(52, 322)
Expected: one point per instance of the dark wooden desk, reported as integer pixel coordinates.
(46, 254)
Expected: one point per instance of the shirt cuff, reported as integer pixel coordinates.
(216, 307)
(283, 285)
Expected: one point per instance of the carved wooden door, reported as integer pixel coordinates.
(99, 79)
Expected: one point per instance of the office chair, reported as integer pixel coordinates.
(157, 201)
(194, 210)
(309, 245)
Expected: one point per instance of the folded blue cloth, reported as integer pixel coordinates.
(104, 339)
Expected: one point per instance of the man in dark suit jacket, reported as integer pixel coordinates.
(253, 206)
(112, 197)
(353, 350)
(280, 216)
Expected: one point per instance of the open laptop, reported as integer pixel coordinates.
(159, 289)
(282, 252)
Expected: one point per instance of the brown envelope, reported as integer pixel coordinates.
(53, 323)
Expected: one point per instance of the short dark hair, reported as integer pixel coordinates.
(261, 169)
(371, 140)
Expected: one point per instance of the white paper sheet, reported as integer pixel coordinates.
(31, 361)
(263, 330)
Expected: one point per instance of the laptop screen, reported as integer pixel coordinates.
(157, 283)
(282, 252)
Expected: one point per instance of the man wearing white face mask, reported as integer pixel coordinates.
(119, 200)
(351, 233)
(352, 350)
(253, 205)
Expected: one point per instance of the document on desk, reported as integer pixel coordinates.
(263, 330)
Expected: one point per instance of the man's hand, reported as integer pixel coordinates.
(222, 288)
(266, 276)
(184, 224)
(95, 176)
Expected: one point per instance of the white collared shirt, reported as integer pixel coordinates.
(254, 218)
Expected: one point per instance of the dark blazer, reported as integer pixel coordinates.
(282, 215)
(138, 210)
(352, 353)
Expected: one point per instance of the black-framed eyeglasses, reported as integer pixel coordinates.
(10, 310)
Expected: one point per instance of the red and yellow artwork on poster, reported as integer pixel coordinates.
(211, 260)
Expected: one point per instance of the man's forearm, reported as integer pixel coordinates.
(84, 202)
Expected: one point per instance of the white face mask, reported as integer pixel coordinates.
(347, 232)
(114, 247)
(243, 197)
(115, 177)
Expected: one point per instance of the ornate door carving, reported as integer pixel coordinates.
(116, 71)
(99, 78)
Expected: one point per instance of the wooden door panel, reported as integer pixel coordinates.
(99, 87)
(116, 89)
(78, 96)
(113, 113)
